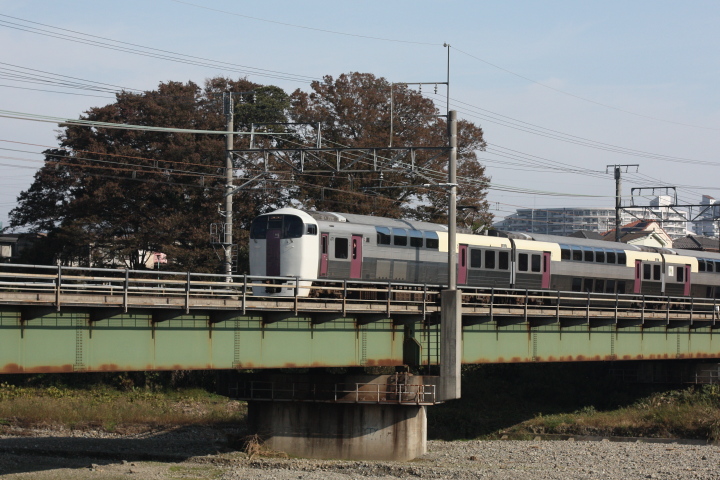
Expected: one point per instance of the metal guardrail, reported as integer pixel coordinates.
(123, 288)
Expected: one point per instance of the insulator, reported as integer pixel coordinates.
(420, 89)
(436, 89)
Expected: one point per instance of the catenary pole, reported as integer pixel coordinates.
(228, 238)
(451, 300)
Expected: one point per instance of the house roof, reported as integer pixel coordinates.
(696, 242)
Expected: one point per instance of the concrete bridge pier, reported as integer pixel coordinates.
(380, 417)
(341, 431)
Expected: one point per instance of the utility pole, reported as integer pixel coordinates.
(228, 227)
(225, 232)
(618, 193)
(451, 313)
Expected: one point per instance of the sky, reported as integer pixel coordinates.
(561, 88)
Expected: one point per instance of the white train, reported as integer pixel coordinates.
(338, 246)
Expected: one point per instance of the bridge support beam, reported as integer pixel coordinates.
(343, 431)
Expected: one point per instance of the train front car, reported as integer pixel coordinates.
(284, 243)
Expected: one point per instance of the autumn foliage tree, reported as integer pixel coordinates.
(354, 111)
(112, 196)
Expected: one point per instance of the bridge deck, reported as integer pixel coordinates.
(70, 319)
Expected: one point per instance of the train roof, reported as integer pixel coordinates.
(377, 221)
(588, 242)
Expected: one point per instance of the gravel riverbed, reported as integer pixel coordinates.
(204, 453)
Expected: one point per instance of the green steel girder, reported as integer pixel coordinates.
(152, 339)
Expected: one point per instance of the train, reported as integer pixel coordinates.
(316, 246)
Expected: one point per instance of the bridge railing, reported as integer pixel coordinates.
(345, 392)
(60, 285)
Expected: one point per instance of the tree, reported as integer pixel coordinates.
(112, 197)
(109, 196)
(354, 111)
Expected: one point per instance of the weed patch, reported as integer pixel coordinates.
(113, 410)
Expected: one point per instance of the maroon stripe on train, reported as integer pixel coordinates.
(272, 249)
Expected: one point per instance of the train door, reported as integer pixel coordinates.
(462, 265)
(638, 276)
(356, 257)
(545, 270)
(324, 241)
(272, 246)
(686, 291)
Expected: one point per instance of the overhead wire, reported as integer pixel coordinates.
(584, 99)
(369, 37)
(133, 48)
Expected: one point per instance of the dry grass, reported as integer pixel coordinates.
(254, 446)
(689, 413)
(111, 410)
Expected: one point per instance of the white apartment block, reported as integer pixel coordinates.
(564, 221)
(707, 227)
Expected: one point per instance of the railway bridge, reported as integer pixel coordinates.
(73, 319)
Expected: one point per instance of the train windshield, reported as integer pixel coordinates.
(290, 226)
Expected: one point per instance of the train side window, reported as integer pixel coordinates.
(621, 287)
(341, 248)
(523, 262)
(577, 284)
(490, 259)
(577, 254)
(717, 292)
(475, 258)
(588, 255)
(709, 265)
(680, 273)
(701, 265)
(599, 286)
(610, 286)
(400, 237)
(610, 257)
(431, 240)
(709, 292)
(588, 285)
(383, 235)
(310, 229)
(622, 258)
(416, 239)
(504, 261)
(656, 272)
(565, 253)
(536, 263)
(324, 244)
(717, 266)
(600, 256)
(647, 271)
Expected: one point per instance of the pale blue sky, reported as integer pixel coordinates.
(653, 58)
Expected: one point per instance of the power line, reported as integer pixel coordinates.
(305, 27)
(122, 126)
(136, 49)
(584, 99)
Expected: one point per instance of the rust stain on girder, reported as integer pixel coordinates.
(15, 368)
(385, 362)
(698, 355)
